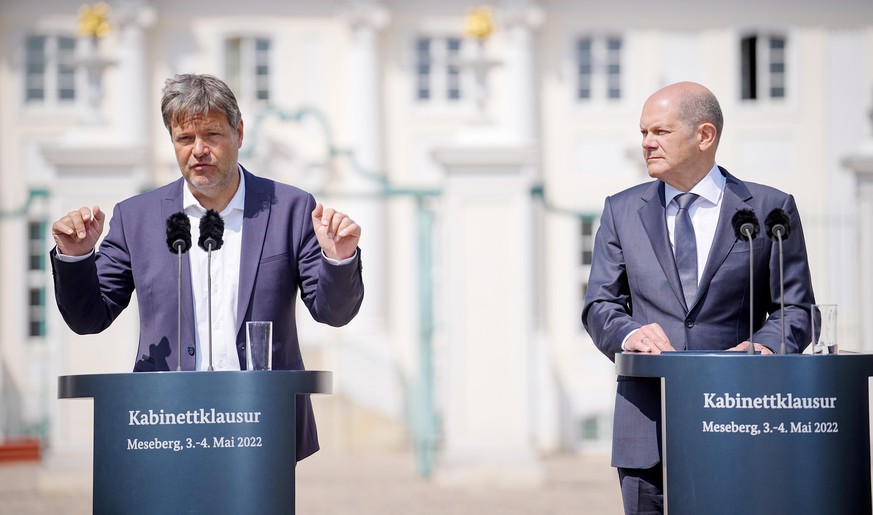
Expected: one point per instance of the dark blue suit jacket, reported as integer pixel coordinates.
(280, 256)
(634, 282)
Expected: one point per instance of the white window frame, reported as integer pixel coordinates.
(446, 82)
(37, 277)
(252, 80)
(58, 66)
(766, 78)
(606, 69)
(585, 242)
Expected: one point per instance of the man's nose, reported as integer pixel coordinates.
(649, 141)
(200, 148)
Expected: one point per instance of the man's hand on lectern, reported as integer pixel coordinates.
(649, 338)
(744, 346)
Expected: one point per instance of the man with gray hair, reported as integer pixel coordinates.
(669, 273)
(277, 241)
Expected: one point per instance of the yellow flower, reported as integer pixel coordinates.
(94, 20)
(478, 23)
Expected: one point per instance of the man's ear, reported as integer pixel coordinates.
(706, 136)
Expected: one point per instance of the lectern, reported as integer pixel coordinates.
(194, 442)
(762, 434)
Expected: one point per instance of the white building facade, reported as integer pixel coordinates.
(478, 218)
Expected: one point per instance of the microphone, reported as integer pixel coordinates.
(178, 232)
(778, 228)
(211, 231)
(211, 238)
(179, 241)
(745, 225)
(777, 224)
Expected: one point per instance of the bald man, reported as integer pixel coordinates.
(657, 285)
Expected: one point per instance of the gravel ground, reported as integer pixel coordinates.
(362, 484)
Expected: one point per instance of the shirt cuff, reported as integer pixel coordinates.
(72, 259)
(623, 342)
(340, 262)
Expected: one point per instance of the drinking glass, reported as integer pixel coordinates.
(824, 329)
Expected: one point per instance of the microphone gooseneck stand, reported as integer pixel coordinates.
(209, 296)
(179, 309)
(782, 348)
(751, 350)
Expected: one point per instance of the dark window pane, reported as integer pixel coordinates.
(749, 68)
(35, 231)
(35, 297)
(35, 68)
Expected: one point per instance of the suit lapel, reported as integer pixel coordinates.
(654, 220)
(255, 219)
(735, 197)
(173, 204)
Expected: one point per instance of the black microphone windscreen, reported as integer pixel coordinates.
(744, 220)
(777, 221)
(211, 231)
(178, 232)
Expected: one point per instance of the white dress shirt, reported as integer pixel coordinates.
(225, 282)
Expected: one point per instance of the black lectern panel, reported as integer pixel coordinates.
(762, 434)
(194, 442)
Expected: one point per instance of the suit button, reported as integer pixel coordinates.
(190, 351)
(689, 323)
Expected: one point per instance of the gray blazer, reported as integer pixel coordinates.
(280, 256)
(634, 282)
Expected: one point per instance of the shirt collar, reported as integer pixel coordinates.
(237, 202)
(710, 188)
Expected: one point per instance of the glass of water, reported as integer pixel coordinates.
(259, 345)
(824, 329)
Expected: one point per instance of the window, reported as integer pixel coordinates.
(437, 69)
(50, 74)
(598, 68)
(762, 62)
(587, 231)
(36, 278)
(587, 241)
(247, 68)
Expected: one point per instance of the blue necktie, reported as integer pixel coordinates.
(685, 247)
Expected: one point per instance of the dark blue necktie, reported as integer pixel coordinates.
(685, 247)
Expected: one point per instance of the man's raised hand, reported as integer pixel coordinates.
(337, 234)
(77, 232)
